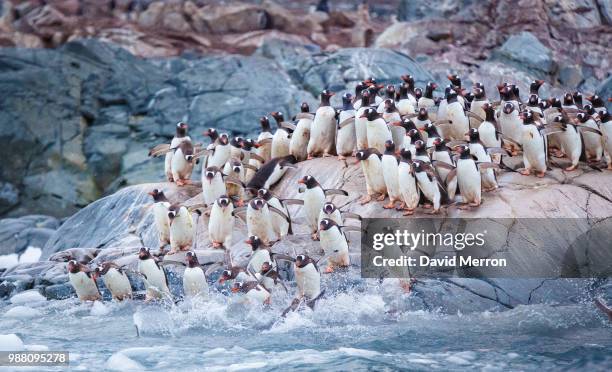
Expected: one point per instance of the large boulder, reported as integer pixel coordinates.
(526, 52)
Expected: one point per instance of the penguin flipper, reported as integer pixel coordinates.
(451, 176)
(294, 305)
(292, 201)
(351, 228)
(351, 215)
(442, 164)
(251, 167)
(589, 129)
(335, 192)
(288, 125)
(346, 122)
(474, 115)
(159, 150)
(257, 157)
(282, 256)
(280, 213)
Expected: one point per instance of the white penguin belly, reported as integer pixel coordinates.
(429, 188)
(378, 133)
(118, 284)
(408, 186)
(258, 258)
(213, 189)
(571, 143)
(534, 155)
(280, 144)
(592, 142)
(313, 202)
(469, 180)
(194, 282)
(510, 125)
(606, 129)
(265, 150)
(487, 133)
(181, 231)
(487, 175)
(373, 167)
(405, 107)
(299, 140)
(277, 173)
(221, 225)
(162, 222)
(220, 157)
(361, 130)
(258, 224)
(323, 131)
(476, 107)
(335, 246)
(155, 279)
(84, 286)
(279, 223)
(181, 168)
(257, 295)
(460, 123)
(308, 281)
(390, 175)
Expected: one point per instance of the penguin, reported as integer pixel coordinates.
(314, 199)
(533, 104)
(181, 228)
(441, 155)
(578, 100)
(259, 221)
(323, 130)
(429, 184)
(82, 281)
(377, 131)
(299, 140)
(477, 149)
(389, 163)
(270, 173)
(391, 115)
(571, 141)
(421, 153)
(265, 137)
(551, 108)
(180, 136)
(407, 183)
(115, 279)
(281, 141)
(235, 273)
(421, 120)
(476, 106)
(407, 125)
(251, 159)
(489, 129)
(371, 166)
(510, 125)
(389, 96)
(606, 128)
(260, 254)
(156, 282)
(346, 141)
(307, 278)
(236, 175)
(593, 146)
(268, 277)
(457, 116)
(535, 154)
(432, 134)
(407, 103)
(221, 222)
(213, 185)
(281, 226)
(183, 160)
(160, 216)
(194, 279)
(219, 152)
(568, 104)
(254, 293)
(597, 102)
(334, 244)
(361, 122)
(236, 148)
(330, 211)
(442, 115)
(360, 88)
(534, 87)
(427, 101)
(468, 178)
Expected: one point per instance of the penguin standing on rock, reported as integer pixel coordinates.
(469, 177)
(390, 165)
(427, 101)
(457, 116)
(441, 155)
(265, 137)
(160, 216)
(219, 151)
(181, 228)
(361, 121)
(281, 226)
(535, 154)
(155, 279)
(477, 149)
(510, 124)
(346, 141)
(115, 279)
(180, 136)
(330, 211)
(371, 165)
(259, 220)
(281, 141)
(221, 222)
(593, 146)
(236, 175)
(183, 161)
(571, 141)
(377, 130)
(82, 281)
(606, 128)
(429, 184)
(213, 185)
(407, 183)
(334, 244)
(323, 131)
(488, 129)
(314, 199)
(298, 145)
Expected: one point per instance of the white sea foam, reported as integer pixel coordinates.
(22, 312)
(11, 342)
(31, 296)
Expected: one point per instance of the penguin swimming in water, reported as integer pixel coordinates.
(82, 281)
(115, 279)
(194, 279)
(314, 199)
(160, 216)
(221, 223)
(281, 141)
(308, 280)
(346, 140)
(180, 136)
(156, 282)
(323, 130)
(269, 278)
(390, 168)
(371, 166)
(298, 145)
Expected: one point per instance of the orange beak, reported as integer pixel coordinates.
(301, 181)
(235, 290)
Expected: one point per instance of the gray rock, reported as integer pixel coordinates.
(570, 76)
(526, 52)
(576, 14)
(413, 10)
(17, 234)
(59, 291)
(604, 90)
(605, 10)
(9, 196)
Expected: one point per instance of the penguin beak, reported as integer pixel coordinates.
(364, 115)
(301, 181)
(248, 241)
(235, 290)
(221, 280)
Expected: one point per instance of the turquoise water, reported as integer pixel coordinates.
(356, 329)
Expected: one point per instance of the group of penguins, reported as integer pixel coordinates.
(415, 148)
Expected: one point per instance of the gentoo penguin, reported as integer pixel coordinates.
(421, 152)
(534, 87)
(389, 95)
(280, 225)
(260, 254)
(334, 244)
(441, 155)
(427, 101)
(457, 116)
(511, 127)
(377, 130)
(371, 166)
(259, 221)
(160, 216)
(323, 130)
(213, 185)
(298, 145)
(219, 151)
(442, 115)
(480, 151)
(180, 136)
(407, 103)
(359, 89)
(314, 199)
(535, 154)
(468, 177)
(330, 211)
(568, 104)
(476, 106)
(421, 120)
(407, 183)
(407, 125)
(597, 102)
(432, 134)
(606, 129)
(571, 141)
(155, 279)
(265, 138)
(270, 173)
(236, 273)
(307, 278)
(391, 115)
(221, 222)
(235, 172)
(181, 228)
(533, 104)
(252, 160)
(236, 148)
(268, 277)
(183, 160)
(593, 146)
(578, 99)
(390, 165)
(254, 293)
(346, 141)
(82, 281)
(115, 279)
(194, 280)
(488, 129)
(551, 108)
(429, 184)
(281, 140)
(361, 121)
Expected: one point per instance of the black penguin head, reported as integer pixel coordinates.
(439, 144)
(464, 152)
(309, 181)
(595, 100)
(226, 275)
(390, 105)
(544, 104)
(237, 142)
(301, 260)
(364, 154)
(360, 88)
(347, 100)
(211, 172)
(405, 154)
(389, 147)
(254, 242)
(158, 195)
(534, 100)
(266, 267)
(278, 117)
(192, 259)
(265, 194)
(508, 108)
(329, 208)
(577, 97)
(173, 211)
(535, 85)
(559, 119)
(144, 253)
(238, 287)
(479, 93)
(408, 124)
(248, 144)
(414, 135)
(589, 109)
(454, 79)
(265, 123)
(212, 133)
(420, 147)
(257, 203)
(365, 98)
(224, 139)
(73, 267)
(326, 224)
(527, 116)
(371, 114)
(418, 93)
(473, 135)
(224, 201)
(582, 117)
(408, 79)
(390, 91)
(604, 115)
(236, 166)
(325, 97)
(554, 102)
(423, 115)
(181, 129)
(431, 130)
(429, 89)
(568, 99)
(304, 107)
(418, 166)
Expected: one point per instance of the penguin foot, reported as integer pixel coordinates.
(365, 200)
(381, 197)
(525, 172)
(474, 204)
(329, 270)
(217, 244)
(389, 205)
(310, 157)
(571, 168)
(427, 206)
(341, 157)
(540, 174)
(409, 212)
(401, 207)
(609, 166)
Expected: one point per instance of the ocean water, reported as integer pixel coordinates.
(354, 329)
